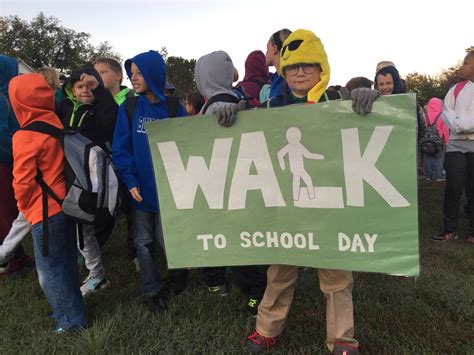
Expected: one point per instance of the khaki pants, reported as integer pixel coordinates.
(337, 288)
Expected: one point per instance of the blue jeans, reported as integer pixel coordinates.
(58, 273)
(147, 231)
(433, 165)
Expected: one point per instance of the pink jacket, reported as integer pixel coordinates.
(433, 108)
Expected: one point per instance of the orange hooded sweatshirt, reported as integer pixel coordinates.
(33, 100)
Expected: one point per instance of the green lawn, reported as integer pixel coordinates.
(431, 314)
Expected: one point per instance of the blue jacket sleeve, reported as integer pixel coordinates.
(8, 126)
(122, 150)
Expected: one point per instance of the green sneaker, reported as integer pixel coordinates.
(252, 306)
(220, 291)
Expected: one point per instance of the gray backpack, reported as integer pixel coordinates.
(431, 143)
(92, 196)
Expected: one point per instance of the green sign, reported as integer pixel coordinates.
(308, 185)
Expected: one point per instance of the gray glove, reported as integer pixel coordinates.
(227, 114)
(363, 99)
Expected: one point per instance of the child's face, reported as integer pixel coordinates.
(385, 84)
(467, 68)
(138, 82)
(110, 78)
(189, 108)
(82, 92)
(270, 53)
(301, 78)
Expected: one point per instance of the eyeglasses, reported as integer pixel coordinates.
(292, 70)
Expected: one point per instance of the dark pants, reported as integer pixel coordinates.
(126, 207)
(8, 209)
(252, 280)
(459, 175)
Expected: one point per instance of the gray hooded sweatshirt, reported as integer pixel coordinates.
(213, 74)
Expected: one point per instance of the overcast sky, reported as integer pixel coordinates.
(421, 36)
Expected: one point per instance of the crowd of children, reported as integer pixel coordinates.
(94, 103)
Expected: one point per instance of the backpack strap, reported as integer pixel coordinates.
(43, 127)
(130, 105)
(173, 106)
(458, 88)
(220, 98)
(427, 119)
(46, 190)
(256, 81)
(437, 117)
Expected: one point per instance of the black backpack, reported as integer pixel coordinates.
(253, 101)
(430, 142)
(220, 98)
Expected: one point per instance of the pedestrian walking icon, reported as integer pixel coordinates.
(309, 196)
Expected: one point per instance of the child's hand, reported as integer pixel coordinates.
(363, 99)
(90, 81)
(135, 192)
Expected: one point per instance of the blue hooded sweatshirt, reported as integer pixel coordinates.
(130, 150)
(8, 121)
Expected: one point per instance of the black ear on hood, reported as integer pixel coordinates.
(76, 75)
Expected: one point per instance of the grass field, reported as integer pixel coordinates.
(431, 314)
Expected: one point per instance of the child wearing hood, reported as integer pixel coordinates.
(256, 76)
(33, 101)
(214, 74)
(91, 110)
(132, 157)
(388, 82)
(304, 65)
(433, 163)
(20, 226)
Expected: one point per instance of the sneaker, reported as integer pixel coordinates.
(470, 238)
(137, 265)
(17, 266)
(444, 237)
(252, 306)
(93, 285)
(155, 304)
(220, 291)
(257, 343)
(3, 268)
(345, 349)
(57, 329)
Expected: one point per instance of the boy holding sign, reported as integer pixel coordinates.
(305, 67)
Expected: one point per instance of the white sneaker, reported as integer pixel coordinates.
(93, 285)
(137, 265)
(4, 268)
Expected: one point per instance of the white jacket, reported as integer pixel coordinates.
(458, 114)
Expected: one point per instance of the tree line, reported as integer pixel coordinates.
(45, 42)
